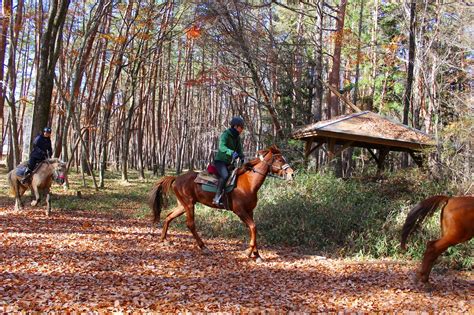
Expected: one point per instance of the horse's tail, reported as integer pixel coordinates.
(155, 199)
(11, 184)
(416, 215)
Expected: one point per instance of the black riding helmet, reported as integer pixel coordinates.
(237, 121)
(47, 129)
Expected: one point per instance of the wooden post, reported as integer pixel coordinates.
(307, 148)
(418, 159)
(380, 162)
(331, 149)
(345, 146)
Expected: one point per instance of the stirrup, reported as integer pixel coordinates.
(217, 202)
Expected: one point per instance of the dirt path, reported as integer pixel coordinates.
(80, 261)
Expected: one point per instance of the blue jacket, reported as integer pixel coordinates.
(42, 147)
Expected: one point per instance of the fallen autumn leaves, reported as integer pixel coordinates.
(83, 261)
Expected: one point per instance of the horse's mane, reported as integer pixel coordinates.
(250, 164)
(54, 160)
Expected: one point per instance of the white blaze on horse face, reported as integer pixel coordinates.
(59, 173)
(288, 171)
(289, 175)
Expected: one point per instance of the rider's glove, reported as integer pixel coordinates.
(235, 155)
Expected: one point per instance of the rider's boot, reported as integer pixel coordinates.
(26, 179)
(220, 188)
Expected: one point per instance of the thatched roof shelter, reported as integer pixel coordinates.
(367, 130)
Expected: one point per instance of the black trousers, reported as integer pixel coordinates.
(222, 169)
(223, 175)
(33, 161)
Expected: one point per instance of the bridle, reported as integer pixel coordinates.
(283, 167)
(278, 168)
(58, 176)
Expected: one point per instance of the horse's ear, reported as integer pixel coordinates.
(274, 149)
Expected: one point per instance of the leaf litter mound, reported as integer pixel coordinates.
(84, 261)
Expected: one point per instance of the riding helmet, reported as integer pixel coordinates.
(237, 121)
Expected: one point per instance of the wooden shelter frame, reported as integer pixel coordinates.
(315, 137)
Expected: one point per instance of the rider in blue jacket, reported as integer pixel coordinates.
(42, 150)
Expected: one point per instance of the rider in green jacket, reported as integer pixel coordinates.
(230, 148)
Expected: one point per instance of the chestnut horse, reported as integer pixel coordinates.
(457, 226)
(242, 200)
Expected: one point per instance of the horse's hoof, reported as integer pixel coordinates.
(414, 277)
(34, 203)
(205, 251)
(428, 287)
(259, 260)
(248, 252)
(418, 281)
(166, 243)
(48, 213)
(425, 286)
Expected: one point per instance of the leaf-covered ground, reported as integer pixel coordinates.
(86, 261)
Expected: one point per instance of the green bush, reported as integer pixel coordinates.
(325, 215)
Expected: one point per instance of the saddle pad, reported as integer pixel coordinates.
(213, 188)
(20, 170)
(205, 178)
(210, 181)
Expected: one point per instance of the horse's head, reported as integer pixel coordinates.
(59, 171)
(277, 162)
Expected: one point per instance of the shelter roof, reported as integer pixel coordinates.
(366, 129)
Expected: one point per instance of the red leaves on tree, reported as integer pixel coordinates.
(193, 32)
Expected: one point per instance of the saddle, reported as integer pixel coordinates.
(209, 181)
(21, 169)
(23, 166)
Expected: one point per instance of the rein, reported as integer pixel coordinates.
(266, 174)
(270, 174)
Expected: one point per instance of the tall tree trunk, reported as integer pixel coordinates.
(334, 76)
(117, 60)
(126, 135)
(373, 44)
(411, 66)
(318, 64)
(140, 130)
(81, 62)
(4, 23)
(15, 26)
(298, 69)
(359, 42)
(49, 52)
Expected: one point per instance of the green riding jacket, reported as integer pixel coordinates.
(229, 142)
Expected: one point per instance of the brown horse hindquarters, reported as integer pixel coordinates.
(17, 190)
(457, 224)
(457, 219)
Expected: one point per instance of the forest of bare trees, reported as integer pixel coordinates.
(149, 85)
